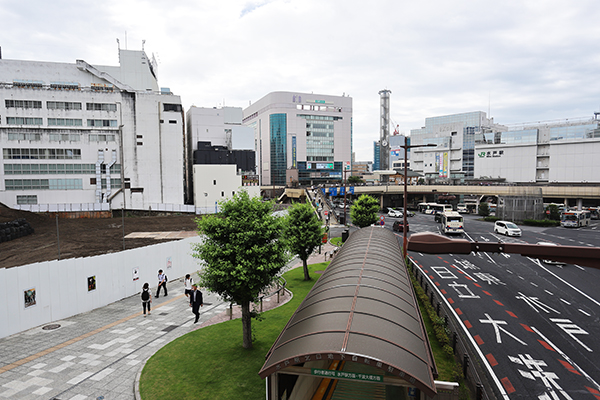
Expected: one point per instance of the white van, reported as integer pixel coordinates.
(507, 228)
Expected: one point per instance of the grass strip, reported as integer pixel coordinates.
(210, 363)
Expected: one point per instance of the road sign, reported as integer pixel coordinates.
(382, 220)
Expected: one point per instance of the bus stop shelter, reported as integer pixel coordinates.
(359, 330)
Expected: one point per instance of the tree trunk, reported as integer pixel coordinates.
(305, 267)
(246, 325)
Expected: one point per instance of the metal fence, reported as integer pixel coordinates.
(481, 382)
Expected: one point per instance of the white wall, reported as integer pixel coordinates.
(515, 164)
(61, 286)
(219, 182)
(575, 162)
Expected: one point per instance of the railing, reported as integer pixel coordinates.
(274, 289)
(466, 352)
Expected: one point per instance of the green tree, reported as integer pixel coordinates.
(554, 212)
(355, 179)
(484, 209)
(303, 232)
(364, 211)
(242, 251)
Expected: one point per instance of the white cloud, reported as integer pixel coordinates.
(525, 61)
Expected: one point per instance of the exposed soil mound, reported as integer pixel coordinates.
(81, 237)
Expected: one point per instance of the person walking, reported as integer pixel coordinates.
(162, 282)
(146, 298)
(196, 301)
(187, 284)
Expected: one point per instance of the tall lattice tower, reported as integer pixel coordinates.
(384, 132)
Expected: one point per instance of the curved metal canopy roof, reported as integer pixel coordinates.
(363, 310)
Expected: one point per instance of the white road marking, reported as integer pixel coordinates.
(583, 312)
(559, 351)
(566, 302)
(537, 262)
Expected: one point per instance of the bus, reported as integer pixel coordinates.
(424, 208)
(575, 219)
(439, 209)
(452, 222)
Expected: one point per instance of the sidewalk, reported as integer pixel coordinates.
(99, 354)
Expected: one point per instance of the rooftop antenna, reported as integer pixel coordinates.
(125, 40)
(118, 44)
(143, 43)
(489, 104)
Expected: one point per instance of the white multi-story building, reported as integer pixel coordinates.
(223, 129)
(303, 133)
(454, 137)
(82, 137)
(554, 152)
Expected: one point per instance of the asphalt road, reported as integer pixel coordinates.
(537, 326)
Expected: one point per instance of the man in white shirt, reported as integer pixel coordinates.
(162, 282)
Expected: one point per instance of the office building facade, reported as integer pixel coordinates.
(78, 137)
(303, 133)
(453, 158)
(564, 152)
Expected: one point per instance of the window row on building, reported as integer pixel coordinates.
(60, 137)
(56, 184)
(102, 123)
(41, 154)
(57, 169)
(59, 105)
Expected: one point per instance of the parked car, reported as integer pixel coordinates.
(550, 261)
(394, 213)
(399, 226)
(507, 228)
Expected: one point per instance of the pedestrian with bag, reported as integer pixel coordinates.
(187, 284)
(196, 301)
(146, 298)
(162, 283)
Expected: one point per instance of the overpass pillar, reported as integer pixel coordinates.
(381, 202)
(579, 204)
(424, 199)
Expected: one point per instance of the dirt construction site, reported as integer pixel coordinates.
(63, 238)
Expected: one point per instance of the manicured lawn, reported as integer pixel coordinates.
(210, 363)
(336, 241)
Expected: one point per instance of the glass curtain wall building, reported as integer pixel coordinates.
(278, 135)
(301, 136)
(376, 156)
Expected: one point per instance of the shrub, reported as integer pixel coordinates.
(541, 222)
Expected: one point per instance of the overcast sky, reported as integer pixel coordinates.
(523, 61)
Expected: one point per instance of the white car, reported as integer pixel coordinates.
(394, 213)
(507, 228)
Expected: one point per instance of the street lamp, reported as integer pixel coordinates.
(406, 147)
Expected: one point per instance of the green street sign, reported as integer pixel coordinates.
(333, 374)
